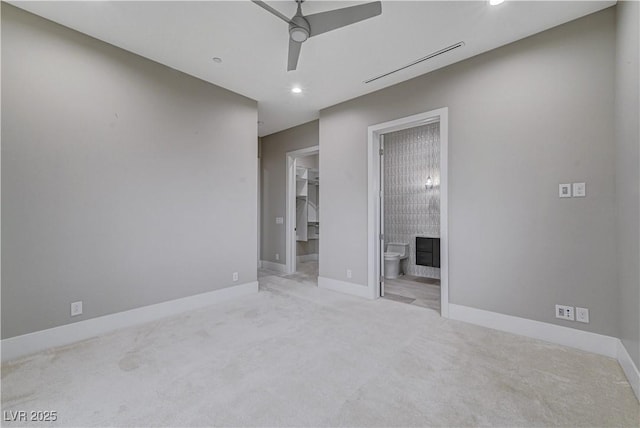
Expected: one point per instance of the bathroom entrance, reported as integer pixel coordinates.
(407, 207)
(410, 215)
(303, 212)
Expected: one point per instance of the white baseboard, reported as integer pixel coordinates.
(584, 340)
(278, 267)
(345, 287)
(307, 258)
(30, 343)
(629, 368)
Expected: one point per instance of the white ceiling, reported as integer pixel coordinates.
(332, 67)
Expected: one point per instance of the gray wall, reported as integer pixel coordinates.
(124, 183)
(410, 209)
(522, 119)
(273, 182)
(627, 177)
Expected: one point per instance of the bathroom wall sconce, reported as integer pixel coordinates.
(429, 183)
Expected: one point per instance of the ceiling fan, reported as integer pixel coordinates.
(302, 27)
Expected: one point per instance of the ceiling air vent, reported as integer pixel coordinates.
(418, 61)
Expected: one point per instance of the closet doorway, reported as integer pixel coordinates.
(303, 211)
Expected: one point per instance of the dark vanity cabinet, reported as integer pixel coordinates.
(428, 251)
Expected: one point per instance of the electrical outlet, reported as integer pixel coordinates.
(235, 276)
(277, 256)
(349, 273)
(582, 315)
(564, 312)
(76, 308)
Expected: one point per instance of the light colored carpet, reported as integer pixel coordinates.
(296, 355)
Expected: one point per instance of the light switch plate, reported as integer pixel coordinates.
(279, 220)
(564, 190)
(579, 190)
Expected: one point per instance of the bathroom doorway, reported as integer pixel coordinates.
(410, 215)
(408, 210)
(303, 212)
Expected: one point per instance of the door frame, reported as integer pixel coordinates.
(290, 205)
(374, 191)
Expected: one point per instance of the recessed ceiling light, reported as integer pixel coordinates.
(296, 89)
(217, 60)
(495, 2)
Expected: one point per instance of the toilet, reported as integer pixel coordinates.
(393, 256)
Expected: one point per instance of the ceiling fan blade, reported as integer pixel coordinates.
(294, 54)
(333, 19)
(271, 10)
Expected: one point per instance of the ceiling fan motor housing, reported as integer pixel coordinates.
(299, 29)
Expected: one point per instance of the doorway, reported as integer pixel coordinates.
(302, 211)
(376, 229)
(410, 215)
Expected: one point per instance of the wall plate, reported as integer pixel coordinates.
(582, 315)
(565, 312)
(579, 190)
(564, 190)
(76, 308)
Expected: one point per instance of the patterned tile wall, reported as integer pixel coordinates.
(410, 209)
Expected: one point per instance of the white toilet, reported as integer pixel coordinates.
(393, 256)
